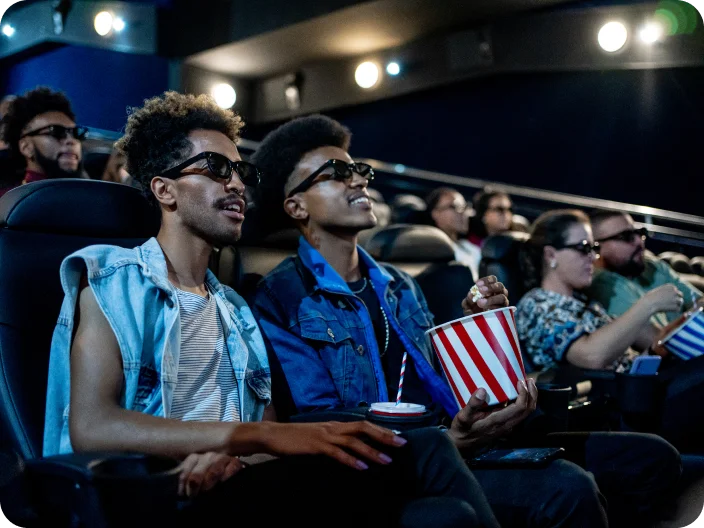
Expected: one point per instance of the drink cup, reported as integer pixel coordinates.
(481, 351)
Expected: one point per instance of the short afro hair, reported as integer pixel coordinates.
(156, 135)
(279, 153)
(24, 108)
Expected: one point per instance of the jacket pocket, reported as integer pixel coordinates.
(334, 345)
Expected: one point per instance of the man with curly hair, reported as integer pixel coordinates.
(42, 137)
(152, 354)
(341, 323)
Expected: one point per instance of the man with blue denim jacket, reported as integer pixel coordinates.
(316, 310)
(152, 354)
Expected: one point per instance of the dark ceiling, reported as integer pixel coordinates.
(357, 29)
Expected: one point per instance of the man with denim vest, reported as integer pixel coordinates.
(152, 354)
(339, 323)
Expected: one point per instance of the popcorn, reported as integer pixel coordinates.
(476, 294)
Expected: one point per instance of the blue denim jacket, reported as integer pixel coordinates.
(133, 291)
(324, 338)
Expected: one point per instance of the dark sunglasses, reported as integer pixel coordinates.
(59, 132)
(504, 210)
(342, 171)
(219, 166)
(583, 247)
(629, 235)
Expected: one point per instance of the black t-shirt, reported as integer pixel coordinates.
(413, 390)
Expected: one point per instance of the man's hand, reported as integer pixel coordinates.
(201, 471)
(341, 441)
(472, 426)
(494, 296)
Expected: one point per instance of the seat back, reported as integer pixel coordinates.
(501, 257)
(40, 224)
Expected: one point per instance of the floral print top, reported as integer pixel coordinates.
(548, 323)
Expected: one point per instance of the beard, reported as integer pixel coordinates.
(633, 267)
(52, 169)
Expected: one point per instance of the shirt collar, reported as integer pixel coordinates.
(328, 279)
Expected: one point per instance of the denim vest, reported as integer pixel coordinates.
(131, 287)
(323, 335)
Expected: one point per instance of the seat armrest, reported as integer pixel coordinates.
(95, 487)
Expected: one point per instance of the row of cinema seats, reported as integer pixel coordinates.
(42, 223)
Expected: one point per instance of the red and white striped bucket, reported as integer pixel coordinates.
(481, 351)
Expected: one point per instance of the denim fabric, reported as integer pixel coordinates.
(324, 338)
(140, 304)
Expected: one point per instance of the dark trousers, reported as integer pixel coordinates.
(682, 420)
(426, 485)
(636, 474)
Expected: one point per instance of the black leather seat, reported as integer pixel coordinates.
(501, 257)
(40, 224)
(698, 265)
(426, 253)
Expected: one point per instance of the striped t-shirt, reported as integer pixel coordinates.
(206, 389)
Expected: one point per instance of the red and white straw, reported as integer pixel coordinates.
(400, 381)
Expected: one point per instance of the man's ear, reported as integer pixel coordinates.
(295, 207)
(164, 190)
(26, 148)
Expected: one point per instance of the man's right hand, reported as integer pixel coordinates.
(474, 426)
(342, 441)
(665, 298)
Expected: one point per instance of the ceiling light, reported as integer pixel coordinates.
(612, 36)
(651, 32)
(118, 24)
(8, 30)
(103, 23)
(393, 68)
(224, 95)
(366, 75)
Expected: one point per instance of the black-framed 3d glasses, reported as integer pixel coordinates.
(59, 132)
(219, 166)
(584, 247)
(342, 171)
(629, 235)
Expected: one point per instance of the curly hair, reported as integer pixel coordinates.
(156, 135)
(279, 153)
(26, 107)
(550, 229)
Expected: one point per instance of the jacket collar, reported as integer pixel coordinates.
(153, 264)
(328, 279)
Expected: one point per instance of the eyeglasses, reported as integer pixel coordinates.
(583, 247)
(459, 209)
(342, 171)
(219, 166)
(629, 235)
(503, 210)
(59, 132)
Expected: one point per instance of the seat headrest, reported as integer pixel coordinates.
(79, 207)
(411, 243)
(498, 247)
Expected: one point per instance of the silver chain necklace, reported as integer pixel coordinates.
(386, 325)
(361, 289)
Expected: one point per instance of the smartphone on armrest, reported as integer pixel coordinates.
(645, 365)
(516, 458)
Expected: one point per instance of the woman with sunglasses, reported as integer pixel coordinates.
(557, 324)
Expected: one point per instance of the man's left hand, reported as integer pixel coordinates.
(494, 296)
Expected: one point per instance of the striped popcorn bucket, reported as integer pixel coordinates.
(481, 351)
(686, 341)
